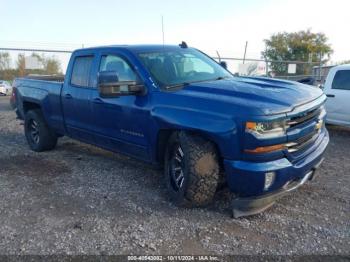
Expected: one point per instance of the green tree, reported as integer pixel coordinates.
(21, 65)
(52, 66)
(297, 46)
(5, 61)
(5, 66)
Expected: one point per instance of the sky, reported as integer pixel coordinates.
(209, 25)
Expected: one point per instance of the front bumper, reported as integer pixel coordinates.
(247, 179)
(254, 205)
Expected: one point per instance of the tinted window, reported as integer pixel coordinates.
(342, 80)
(81, 71)
(119, 65)
(181, 66)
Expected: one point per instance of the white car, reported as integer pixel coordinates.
(5, 88)
(337, 89)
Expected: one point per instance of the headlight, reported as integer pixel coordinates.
(266, 129)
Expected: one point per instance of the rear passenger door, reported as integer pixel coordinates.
(76, 96)
(338, 101)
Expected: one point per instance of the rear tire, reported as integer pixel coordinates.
(39, 136)
(191, 169)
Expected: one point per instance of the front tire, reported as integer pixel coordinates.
(191, 169)
(39, 136)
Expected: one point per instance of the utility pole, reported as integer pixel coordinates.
(309, 69)
(245, 51)
(320, 68)
(217, 52)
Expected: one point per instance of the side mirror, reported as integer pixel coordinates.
(321, 86)
(223, 64)
(110, 86)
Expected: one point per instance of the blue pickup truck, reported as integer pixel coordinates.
(176, 107)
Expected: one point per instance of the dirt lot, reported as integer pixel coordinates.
(78, 199)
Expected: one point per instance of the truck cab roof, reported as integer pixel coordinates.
(133, 48)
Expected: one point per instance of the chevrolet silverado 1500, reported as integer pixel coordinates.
(176, 107)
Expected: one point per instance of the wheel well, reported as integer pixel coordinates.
(163, 137)
(30, 106)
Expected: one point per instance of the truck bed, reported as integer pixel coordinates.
(46, 93)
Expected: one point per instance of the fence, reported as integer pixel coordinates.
(15, 62)
(289, 70)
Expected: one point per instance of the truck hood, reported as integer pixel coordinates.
(263, 96)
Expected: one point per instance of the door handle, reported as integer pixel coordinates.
(98, 101)
(330, 95)
(68, 96)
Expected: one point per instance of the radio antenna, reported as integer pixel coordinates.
(163, 30)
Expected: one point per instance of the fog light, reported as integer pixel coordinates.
(269, 179)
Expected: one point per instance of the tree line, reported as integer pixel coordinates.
(49, 65)
(304, 46)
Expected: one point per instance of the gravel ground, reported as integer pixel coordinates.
(78, 199)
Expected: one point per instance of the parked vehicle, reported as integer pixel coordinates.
(337, 89)
(175, 106)
(5, 88)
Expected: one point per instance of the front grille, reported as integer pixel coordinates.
(302, 142)
(300, 119)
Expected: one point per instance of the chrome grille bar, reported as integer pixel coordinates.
(304, 118)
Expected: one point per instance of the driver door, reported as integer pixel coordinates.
(121, 122)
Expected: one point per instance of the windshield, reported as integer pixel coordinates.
(183, 66)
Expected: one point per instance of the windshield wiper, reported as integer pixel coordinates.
(177, 85)
(222, 77)
(188, 83)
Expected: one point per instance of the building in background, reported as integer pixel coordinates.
(252, 69)
(33, 62)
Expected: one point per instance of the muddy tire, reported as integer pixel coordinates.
(191, 169)
(39, 136)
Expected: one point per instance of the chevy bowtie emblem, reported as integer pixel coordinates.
(319, 125)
